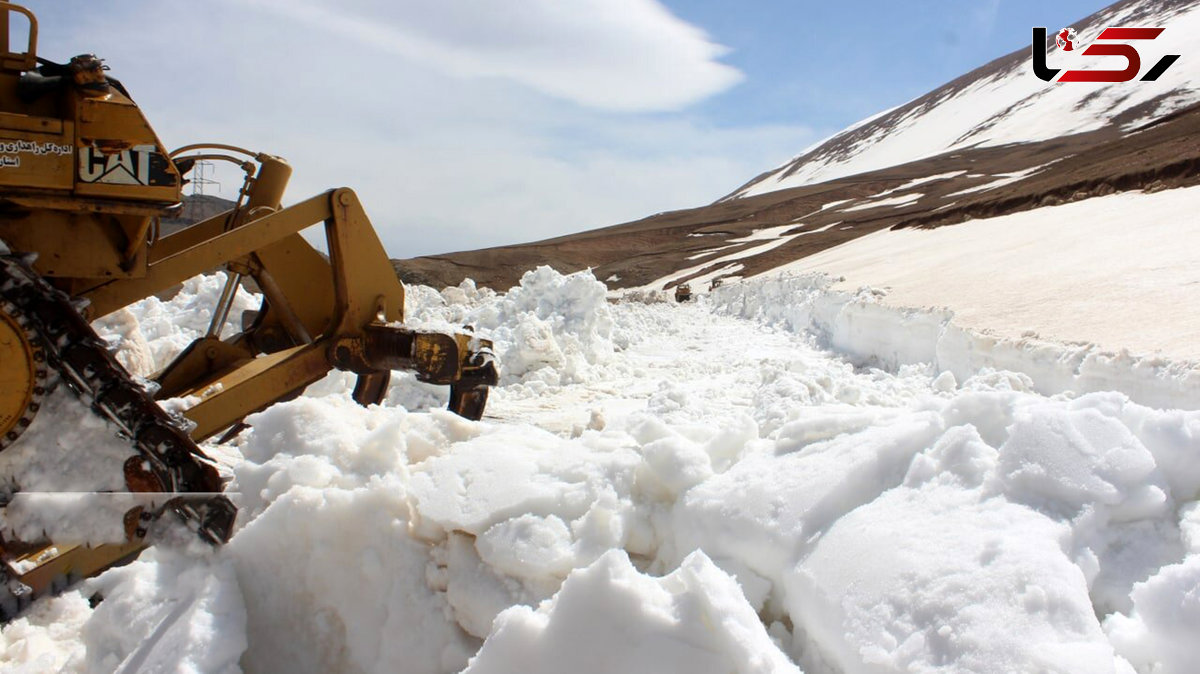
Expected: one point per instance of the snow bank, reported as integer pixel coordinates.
(719, 496)
(168, 612)
(548, 329)
(1158, 632)
(916, 544)
(151, 333)
(334, 583)
(861, 326)
(1159, 636)
(46, 638)
(930, 578)
(610, 618)
(1117, 271)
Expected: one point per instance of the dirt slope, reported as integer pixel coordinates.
(1164, 154)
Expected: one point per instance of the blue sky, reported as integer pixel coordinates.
(473, 123)
(834, 63)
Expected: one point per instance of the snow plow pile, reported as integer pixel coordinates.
(83, 183)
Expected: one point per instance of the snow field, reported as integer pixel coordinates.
(1116, 271)
(682, 488)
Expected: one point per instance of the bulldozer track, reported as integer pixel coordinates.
(167, 461)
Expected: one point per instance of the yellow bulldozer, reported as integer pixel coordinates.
(84, 182)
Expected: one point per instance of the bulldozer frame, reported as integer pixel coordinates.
(84, 181)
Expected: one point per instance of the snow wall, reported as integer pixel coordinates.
(863, 327)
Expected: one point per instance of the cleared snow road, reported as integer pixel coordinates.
(674, 489)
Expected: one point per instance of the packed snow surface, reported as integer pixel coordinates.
(710, 487)
(1117, 271)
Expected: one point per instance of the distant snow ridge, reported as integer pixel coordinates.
(1004, 102)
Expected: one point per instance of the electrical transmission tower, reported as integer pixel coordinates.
(200, 177)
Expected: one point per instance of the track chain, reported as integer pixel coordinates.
(168, 460)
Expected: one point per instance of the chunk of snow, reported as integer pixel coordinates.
(610, 618)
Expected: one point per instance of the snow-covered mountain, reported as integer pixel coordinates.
(1005, 102)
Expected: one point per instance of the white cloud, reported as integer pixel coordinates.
(442, 162)
(505, 194)
(628, 55)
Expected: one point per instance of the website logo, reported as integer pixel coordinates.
(1110, 42)
(1065, 39)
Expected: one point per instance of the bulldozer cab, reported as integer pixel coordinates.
(54, 112)
(73, 142)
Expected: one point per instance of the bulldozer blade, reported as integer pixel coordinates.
(468, 402)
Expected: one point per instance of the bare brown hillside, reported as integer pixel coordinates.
(1164, 154)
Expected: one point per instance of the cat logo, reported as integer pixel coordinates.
(134, 166)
